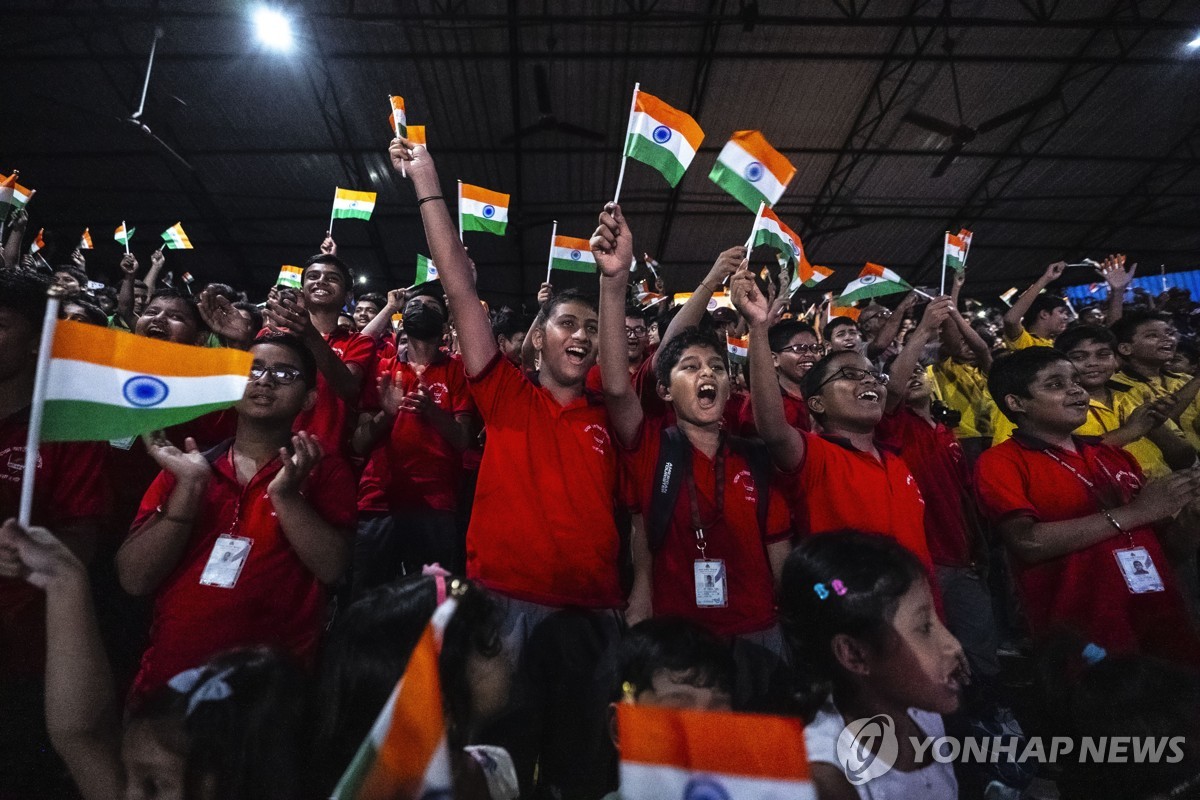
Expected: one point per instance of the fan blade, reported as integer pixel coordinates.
(582, 132)
(541, 86)
(947, 160)
(930, 123)
(163, 146)
(543, 124)
(1016, 113)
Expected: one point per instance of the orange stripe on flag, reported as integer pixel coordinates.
(754, 144)
(416, 134)
(397, 102)
(713, 741)
(671, 117)
(571, 243)
(481, 195)
(872, 269)
(109, 347)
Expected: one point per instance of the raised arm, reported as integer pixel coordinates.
(129, 267)
(785, 443)
(528, 351)
(478, 345)
(612, 244)
(10, 255)
(378, 326)
(157, 261)
(890, 329)
(693, 310)
(1012, 318)
(1118, 279)
(914, 344)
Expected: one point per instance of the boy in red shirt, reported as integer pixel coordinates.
(794, 349)
(716, 561)
(239, 543)
(1079, 519)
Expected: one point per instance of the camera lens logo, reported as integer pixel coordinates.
(867, 748)
(144, 391)
(661, 134)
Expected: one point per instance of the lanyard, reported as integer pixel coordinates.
(1105, 502)
(697, 524)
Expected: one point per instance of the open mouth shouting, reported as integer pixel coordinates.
(706, 394)
(870, 395)
(577, 354)
(156, 330)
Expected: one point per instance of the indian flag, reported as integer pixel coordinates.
(426, 271)
(954, 252)
(14, 194)
(122, 235)
(718, 300)
(103, 384)
(38, 241)
(175, 238)
(751, 170)
(572, 255)
(771, 231)
(873, 281)
(849, 311)
(808, 275)
(348, 203)
(739, 348)
(397, 118)
(663, 137)
(668, 752)
(1008, 296)
(85, 241)
(290, 276)
(482, 209)
(405, 755)
(416, 135)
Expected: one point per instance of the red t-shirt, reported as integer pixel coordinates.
(542, 525)
(935, 458)
(839, 487)
(330, 417)
(276, 600)
(733, 536)
(795, 411)
(1084, 590)
(71, 487)
(422, 469)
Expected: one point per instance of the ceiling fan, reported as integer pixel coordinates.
(135, 119)
(547, 121)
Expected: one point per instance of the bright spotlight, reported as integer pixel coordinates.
(362, 279)
(1194, 43)
(274, 29)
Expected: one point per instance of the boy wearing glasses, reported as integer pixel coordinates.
(794, 349)
(841, 479)
(238, 543)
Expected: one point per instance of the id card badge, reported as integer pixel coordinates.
(122, 444)
(1138, 570)
(226, 560)
(710, 583)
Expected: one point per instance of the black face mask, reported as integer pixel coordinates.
(424, 323)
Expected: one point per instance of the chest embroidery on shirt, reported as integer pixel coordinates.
(745, 480)
(599, 436)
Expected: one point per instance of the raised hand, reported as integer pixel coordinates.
(129, 264)
(157, 259)
(729, 262)
(223, 319)
(35, 555)
(409, 159)
(612, 243)
(544, 294)
(1166, 496)
(306, 452)
(1054, 271)
(937, 312)
(18, 221)
(397, 299)
(747, 298)
(77, 258)
(187, 465)
(328, 245)
(1112, 269)
(288, 315)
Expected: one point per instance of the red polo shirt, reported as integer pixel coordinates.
(1084, 590)
(839, 487)
(732, 536)
(71, 486)
(795, 411)
(542, 525)
(422, 469)
(276, 600)
(329, 418)
(935, 458)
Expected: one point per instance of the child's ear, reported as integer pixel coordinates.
(851, 654)
(1125, 348)
(664, 392)
(775, 360)
(1015, 403)
(816, 404)
(310, 399)
(539, 337)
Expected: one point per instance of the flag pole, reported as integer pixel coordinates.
(550, 258)
(460, 225)
(649, 262)
(945, 242)
(37, 405)
(1162, 271)
(396, 124)
(757, 217)
(125, 228)
(625, 143)
(329, 230)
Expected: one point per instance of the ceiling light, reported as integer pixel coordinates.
(274, 29)
(362, 279)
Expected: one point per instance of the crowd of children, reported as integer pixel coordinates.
(904, 516)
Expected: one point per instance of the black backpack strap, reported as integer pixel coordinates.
(673, 448)
(759, 459)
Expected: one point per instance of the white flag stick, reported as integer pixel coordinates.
(550, 257)
(460, 228)
(625, 143)
(36, 407)
(649, 262)
(1162, 270)
(757, 217)
(396, 123)
(329, 230)
(945, 242)
(125, 228)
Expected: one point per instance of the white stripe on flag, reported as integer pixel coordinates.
(474, 208)
(85, 381)
(353, 205)
(652, 781)
(645, 125)
(751, 170)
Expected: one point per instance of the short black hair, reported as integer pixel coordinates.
(508, 322)
(308, 364)
(670, 353)
(1072, 337)
(25, 294)
(810, 386)
(188, 301)
(371, 297)
(637, 312)
(562, 298)
(333, 261)
(834, 324)
(74, 271)
(677, 646)
(256, 313)
(431, 289)
(1043, 302)
(95, 315)
(1126, 327)
(781, 333)
(1015, 372)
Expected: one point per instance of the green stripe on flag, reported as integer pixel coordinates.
(569, 265)
(773, 240)
(470, 222)
(954, 262)
(355, 213)
(877, 289)
(356, 773)
(84, 421)
(657, 156)
(741, 189)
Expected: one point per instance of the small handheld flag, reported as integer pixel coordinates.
(416, 135)
(482, 209)
(13, 196)
(290, 276)
(660, 136)
(770, 230)
(809, 275)
(426, 270)
(85, 241)
(397, 118)
(123, 235)
(349, 204)
(572, 255)
(38, 241)
(751, 170)
(1008, 296)
(739, 348)
(176, 239)
(873, 281)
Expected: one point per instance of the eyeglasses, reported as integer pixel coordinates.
(797, 349)
(637, 332)
(856, 374)
(280, 375)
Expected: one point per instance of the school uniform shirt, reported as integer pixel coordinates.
(1143, 388)
(936, 461)
(963, 388)
(838, 487)
(72, 485)
(275, 601)
(422, 469)
(1105, 417)
(1084, 590)
(330, 416)
(542, 527)
(732, 536)
(795, 411)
